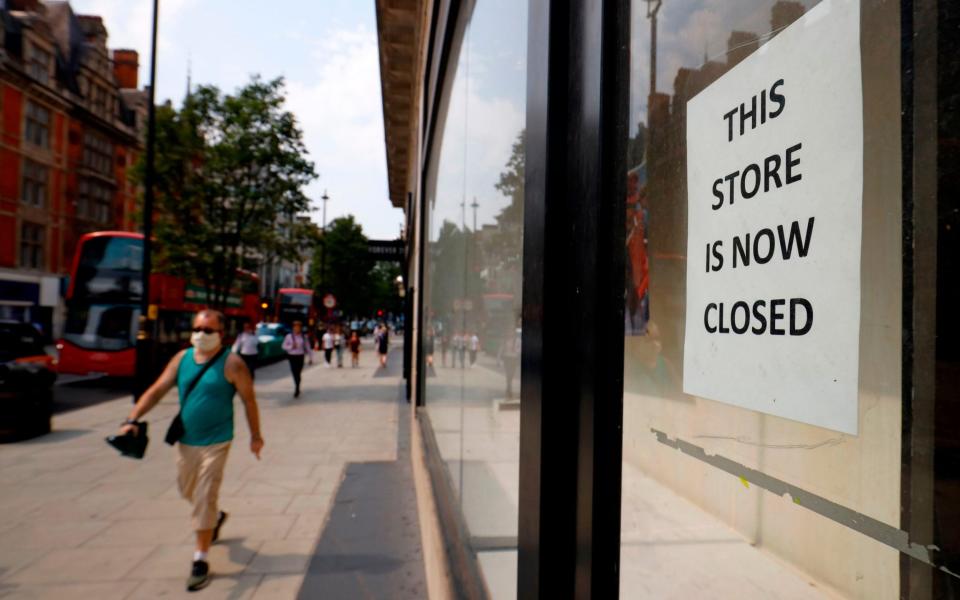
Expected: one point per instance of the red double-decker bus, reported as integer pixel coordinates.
(103, 306)
(296, 304)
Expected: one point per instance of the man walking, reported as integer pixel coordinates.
(297, 346)
(247, 345)
(206, 410)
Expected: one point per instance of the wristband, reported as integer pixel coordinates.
(130, 422)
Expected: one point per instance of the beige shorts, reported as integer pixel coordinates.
(199, 474)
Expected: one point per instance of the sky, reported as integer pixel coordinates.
(686, 33)
(325, 49)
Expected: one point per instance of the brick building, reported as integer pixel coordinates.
(70, 121)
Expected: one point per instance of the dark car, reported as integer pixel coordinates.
(26, 383)
(270, 336)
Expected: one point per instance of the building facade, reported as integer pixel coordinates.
(682, 301)
(70, 117)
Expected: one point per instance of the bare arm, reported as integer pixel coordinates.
(155, 392)
(237, 373)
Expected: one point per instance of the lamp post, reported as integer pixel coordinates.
(323, 249)
(653, 7)
(145, 339)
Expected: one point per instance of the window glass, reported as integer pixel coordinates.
(95, 201)
(33, 190)
(38, 64)
(723, 498)
(37, 125)
(110, 268)
(473, 269)
(101, 326)
(31, 246)
(97, 153)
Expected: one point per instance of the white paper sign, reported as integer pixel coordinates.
(775, 189)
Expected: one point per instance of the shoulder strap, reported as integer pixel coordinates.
(193, 382)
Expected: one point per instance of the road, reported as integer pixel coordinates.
(72, 392)
(84, 393)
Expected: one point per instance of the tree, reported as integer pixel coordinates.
(347, 273)
(384, 293)
(503, 250)
(230, 173)
(361, 285)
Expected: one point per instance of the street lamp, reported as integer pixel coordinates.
(145, 338)
(323, 249)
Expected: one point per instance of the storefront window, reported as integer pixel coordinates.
(771, 445)
(473, 268)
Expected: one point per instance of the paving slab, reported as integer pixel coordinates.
(371, 545)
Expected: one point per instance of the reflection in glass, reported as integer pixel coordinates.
(473, 268)
(690, 529)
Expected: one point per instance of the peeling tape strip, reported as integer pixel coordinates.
(868, 526)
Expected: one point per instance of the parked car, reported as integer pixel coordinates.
(26, 382)
(270, 336)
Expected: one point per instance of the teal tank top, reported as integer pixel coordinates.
(207, 412)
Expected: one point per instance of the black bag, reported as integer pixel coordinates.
(176, 429)
(130, 444)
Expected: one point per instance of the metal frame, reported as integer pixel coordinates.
(573, 267)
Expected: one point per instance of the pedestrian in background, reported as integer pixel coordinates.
(510, 357)
(326, 344)
(207, 378)
(383, 344)
(338, 343)
(297, 347)
(247, 346)
(354, 349)
(459, 348)
(444, 347)
(474, 347)
(428, 346)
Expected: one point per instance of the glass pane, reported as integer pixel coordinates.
(473, 284)
(110, 267)
(748, 472)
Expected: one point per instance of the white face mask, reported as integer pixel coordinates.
(205, 342)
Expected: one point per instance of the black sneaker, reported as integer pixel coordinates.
(199, 576)
(221, 519)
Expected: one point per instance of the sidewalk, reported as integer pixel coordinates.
(79, 521)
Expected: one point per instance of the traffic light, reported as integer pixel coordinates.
(379, 312)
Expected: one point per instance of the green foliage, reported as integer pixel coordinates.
(347, 268)
(230, 173)
(504, 248)
(360, 285)
(454, 269)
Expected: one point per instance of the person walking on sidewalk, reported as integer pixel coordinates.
(383, 344)
(207, 378)
(297, 346)
(338, 343)
(474, 347)
(326, 344)
(247, 346)
(354, 349)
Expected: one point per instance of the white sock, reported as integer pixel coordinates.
(198, 555)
